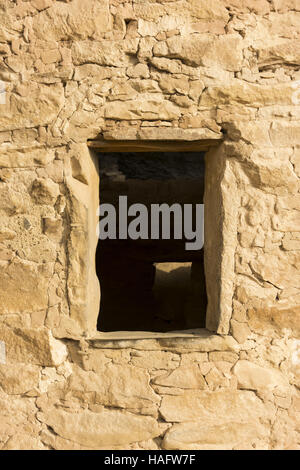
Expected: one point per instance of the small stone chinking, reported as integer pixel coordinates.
(183, 70)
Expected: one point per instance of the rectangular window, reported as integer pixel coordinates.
(151, 284)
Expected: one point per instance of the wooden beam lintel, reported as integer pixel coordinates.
(153, 146)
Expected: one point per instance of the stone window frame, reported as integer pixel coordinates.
(221, 212)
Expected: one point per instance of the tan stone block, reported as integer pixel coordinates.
(225, 53)
(216, 379)
(223, 356)
(218, 407)
(17, 418)
(138, 71)
(285, 134)
(72, 19)
(182, 377)
(35, 346)
(16, 379)
(104, 52)
(41, 109)
(207, 9)
(287, 221)
(248, 94)
(187, 359)
(286, 5)
(44, 191)
(270, 319)
(7, 234)
(197, 436)
(26, 158)
(53, 228)
(284, 52)
(178, 134)
(106, 428)
(240, 331)
(289, 243)
(121, 386)
(260, 7)
(251, 376)
(152, 108)
(155, 360)
(205, 367)
(279, 268)
(24, 441)
(51, 56)
(23, 287)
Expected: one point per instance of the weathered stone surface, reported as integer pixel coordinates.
(195, 71)
(182, 377)
(254, 377)
(155, 360)
(148, 108)
(256, 6)
(35, 346)
(26, 158)
(287, 52)
(102, 53)
(248, 94)
(18, 422)
(270, 319)
(204, 341)
(106, 428)
(224, 52)
(74, 19)
(240, 331)
(41, 109)
(218, 407)
(283, 134)
(121, 386)
(44, 191)
(32, 280)
(16, 379)
(199, 436)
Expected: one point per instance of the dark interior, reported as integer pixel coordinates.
(151, 285)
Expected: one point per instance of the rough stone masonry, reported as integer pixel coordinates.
(223, 71)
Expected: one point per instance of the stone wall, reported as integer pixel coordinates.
(186, 70)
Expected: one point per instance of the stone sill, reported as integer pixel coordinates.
(198, 340)
(136, 335)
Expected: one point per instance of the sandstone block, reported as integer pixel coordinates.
(286, 52)
(41, 109)
(224, 53)
(149, 108)
(240, 331)
(35, 346)
(16, 379)
(121, 386)
(248, 94)
(23, 287)
(104, 52)
(217, 407)
(285, 134)
(27, 158)
(254, 377)
(44, 191)
(182, 377)
(199, 436)
(73, 19)
(106, 428)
